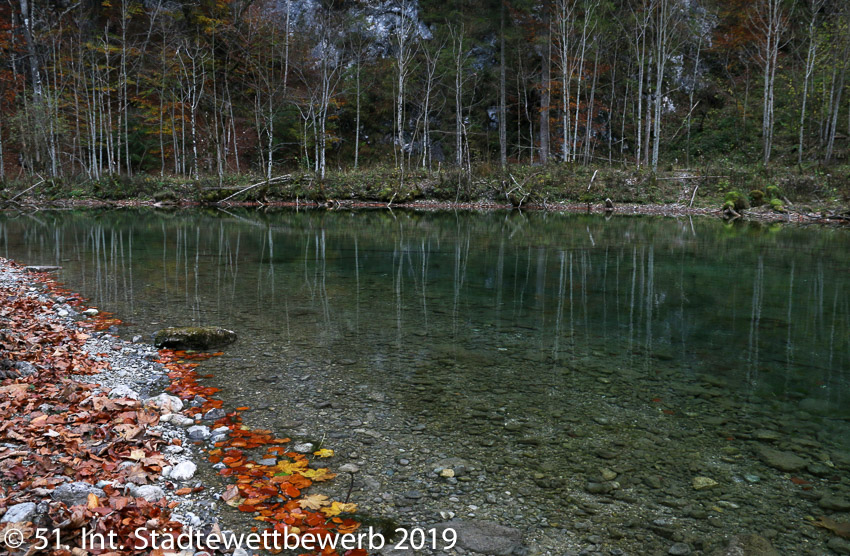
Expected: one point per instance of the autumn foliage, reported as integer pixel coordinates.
(64, 430)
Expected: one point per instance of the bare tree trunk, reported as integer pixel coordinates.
(35, 73)
(649, 107)
(459, 99)
(642, 23)
(833, 124)
(431, 60)
(125, 102)
(611, 103)
(357, 118)
(233, 127)
(404, 54)
(662, 51)
(503, 124)
(269, 137)
(810, 66)
(286, 46)
(2, 162)
(586, 28)
(770, 20)
(565, 22)
(545, 90)
(589, 125)
(691, 102)
(196, 90)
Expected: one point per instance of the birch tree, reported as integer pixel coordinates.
(404, 45)
(770, 20)
(811, 56)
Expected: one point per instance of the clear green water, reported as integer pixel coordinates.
(541, 347)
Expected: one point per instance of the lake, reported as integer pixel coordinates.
(624, 384)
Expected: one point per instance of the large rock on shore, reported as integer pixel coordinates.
(193, 337)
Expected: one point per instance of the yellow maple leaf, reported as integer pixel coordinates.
(337, 508)
(313, 501)
(317, 475)
(290, 467)
(324, 453)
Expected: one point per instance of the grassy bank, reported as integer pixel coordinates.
(740, 187)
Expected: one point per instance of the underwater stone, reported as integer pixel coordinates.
(193, 337)
(784, 461)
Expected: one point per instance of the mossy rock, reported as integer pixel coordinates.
(777, 205)
(773, 192)
(756, 198)
(164, 195)
(736, 200)
(193, 337)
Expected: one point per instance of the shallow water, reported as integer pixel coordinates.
(541, 349)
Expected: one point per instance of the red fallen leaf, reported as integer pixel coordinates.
(799, 481)
(668, 411)
(656, 400)
(183, 491)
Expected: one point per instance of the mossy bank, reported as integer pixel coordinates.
(770, 190)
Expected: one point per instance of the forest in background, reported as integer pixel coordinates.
(96, 89)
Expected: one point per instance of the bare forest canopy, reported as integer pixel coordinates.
(98, 88)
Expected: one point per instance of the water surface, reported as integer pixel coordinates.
(545, 351)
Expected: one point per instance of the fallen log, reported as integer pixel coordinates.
(252, 186)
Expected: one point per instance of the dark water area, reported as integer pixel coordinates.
(579, 373)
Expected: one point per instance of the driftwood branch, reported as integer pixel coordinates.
(258, 184)
(688, 178)
(693, 197)
(519, 187)
(593, 177)
(27, 190)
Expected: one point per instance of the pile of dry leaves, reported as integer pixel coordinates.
(58, 438)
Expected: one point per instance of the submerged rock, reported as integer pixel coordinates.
(839, 545)
(193, 337)
(747, 545)
(784, 461)
(484, 537)
(701, 483)
(835, 503)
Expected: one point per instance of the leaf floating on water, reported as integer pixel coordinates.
(840, 528)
